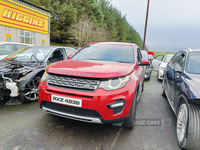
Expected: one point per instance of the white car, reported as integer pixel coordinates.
(163, 65)
(156, 61)
(7, 48)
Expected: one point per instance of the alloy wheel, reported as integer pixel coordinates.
(31, 89)
(182, 119)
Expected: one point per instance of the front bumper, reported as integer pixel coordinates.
(95, 105)
(72, 116)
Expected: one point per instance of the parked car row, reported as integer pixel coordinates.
(102, 83)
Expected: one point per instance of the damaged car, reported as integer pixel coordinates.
(21, 71)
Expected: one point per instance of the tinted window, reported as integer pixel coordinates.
(117, 53)
(70, 51)
(139, 55)
(174, 59)
(6, 49)
(57, 55)
(193, 63)
(178, 64)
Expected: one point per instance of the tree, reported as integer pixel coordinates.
(80, 22)
(63, 14)
(85, 31)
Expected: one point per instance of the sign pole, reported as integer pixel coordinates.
(145, 30)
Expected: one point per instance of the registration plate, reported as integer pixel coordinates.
(66, 100)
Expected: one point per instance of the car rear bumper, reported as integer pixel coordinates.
(160, 74)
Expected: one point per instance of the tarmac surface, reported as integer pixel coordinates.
(27, 127)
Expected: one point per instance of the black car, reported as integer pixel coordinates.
(181, 86)
(148, 69)
(21, 71)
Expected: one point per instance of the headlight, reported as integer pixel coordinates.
(115, 83)
(162, 68)
(44, 77)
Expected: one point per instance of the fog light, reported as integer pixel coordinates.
(112, 106)
(117, 106)
(118, 103)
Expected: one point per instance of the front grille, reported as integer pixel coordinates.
(73, 82)
(70, 109)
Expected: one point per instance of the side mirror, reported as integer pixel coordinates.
(70, 56)
(170, 74)
(144, 62)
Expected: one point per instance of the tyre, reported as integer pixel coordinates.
(130, 121)
(31, 90)
(187, 127)
(163, 91)
(147, 79)
(143, 86)
(157, 76)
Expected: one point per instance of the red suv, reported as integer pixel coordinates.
(101, 83)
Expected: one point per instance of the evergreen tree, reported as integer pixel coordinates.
(107, 21)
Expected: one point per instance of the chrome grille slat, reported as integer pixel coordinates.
(73, 82)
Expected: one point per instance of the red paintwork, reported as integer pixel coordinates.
(100, 98)
(92, 69)
(70, 56)
(151, 53)
(144, 61)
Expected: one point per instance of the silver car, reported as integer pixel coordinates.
(7, 48)
(163, 65)
(21, 71)
(148, 69)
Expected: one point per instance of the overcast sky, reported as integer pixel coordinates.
(172, 24)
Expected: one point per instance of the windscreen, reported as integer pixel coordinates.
(29, 54)
(116, 53)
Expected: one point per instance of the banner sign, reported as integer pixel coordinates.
(17, 17)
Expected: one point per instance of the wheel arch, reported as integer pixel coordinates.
(181, 99)
(30, 76)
